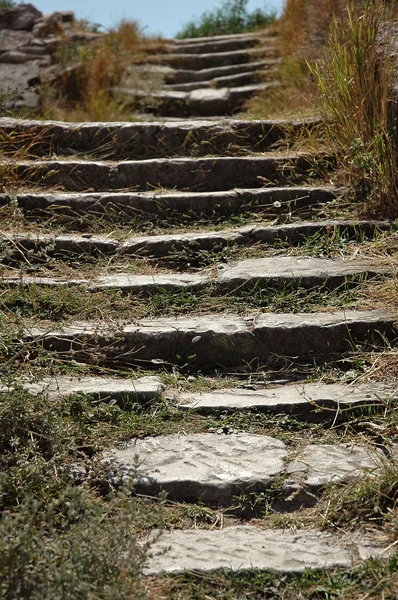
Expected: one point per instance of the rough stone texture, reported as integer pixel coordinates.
(176, 76)
(143, 389)
(22, 16)
(209, 467)
(229, 43)
(19, 78)
(203, 174)
(326, 463)
(209, 101)
(213, 59)
(246, 547)
(221, 339)
(307, 272)
(199, 203)
(253, 273)
(304, 401)
(153, 139)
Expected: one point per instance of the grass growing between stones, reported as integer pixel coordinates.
(375, 579)
(62, 541)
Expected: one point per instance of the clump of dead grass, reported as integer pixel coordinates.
(84, 92)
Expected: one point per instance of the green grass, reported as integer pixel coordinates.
(231, 16)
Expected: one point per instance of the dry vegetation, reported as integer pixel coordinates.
(84, 92)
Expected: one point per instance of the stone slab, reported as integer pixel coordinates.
(143, 389)
(181, 76)
(212, 59)
(249, 274)
(310, 401)
(226, 340)
(198, 203)
(207, 467)
(305, 271)
(202, 174)
(247, 547)
(152, 139)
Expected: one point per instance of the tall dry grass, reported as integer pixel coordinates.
(83, 93)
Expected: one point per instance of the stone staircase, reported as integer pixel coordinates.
(215, 210)
(205, 76)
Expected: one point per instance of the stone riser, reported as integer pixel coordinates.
(63, 246)
(176, 76)
(210, 342)
(147, 140)
(205, 174)
(212, 60)
(127, 206)
(228, 44)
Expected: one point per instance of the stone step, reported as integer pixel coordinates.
(215, 467)
(175, 76)
(246, 547)
(275, 201)
(213, 59)
(105, 389)
(22, 245)
(226, 44)
(147, 139)
(197, 175)
(312, 402)
(215, 341)
(200, 102)
(223, 37)
(241, 79)
(252, 274)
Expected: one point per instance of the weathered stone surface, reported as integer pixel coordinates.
(175, 76)
(213, 59)
(247, 547)
(227, 44)
(203, 174)
(209, 467)
(153, 139)
(209, 101)
(199, 203)
(337, 463)
(310, 401)
(221, 339)
(143, 389)
(16, 81)
(253, 273)
(22, 16)
(307, 272)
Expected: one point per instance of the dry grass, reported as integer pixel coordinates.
(85, 93)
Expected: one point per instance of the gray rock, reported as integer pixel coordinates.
(307, 272)
(222, 339)
(209, 101)
(209, 467)
(310, 401)
(22, 16)
(143, 389)
(246, 547)
(326, 463)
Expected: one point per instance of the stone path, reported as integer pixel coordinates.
(91, 194)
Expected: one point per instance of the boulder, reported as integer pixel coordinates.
(21, 17)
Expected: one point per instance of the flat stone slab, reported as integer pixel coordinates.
(247, 547)
(202, 174)
(212, 59)
(163, 245)
(151, 139)
(215, 340)
(310, 401)
(213, 468)
(280, 201)
(143, 389)
(308, 272)
(207, 467)
(299, 271)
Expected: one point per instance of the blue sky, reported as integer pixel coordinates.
(163, 17)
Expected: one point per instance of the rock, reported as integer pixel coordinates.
(209, 101)
(22, 16)
(247, 547)
(208, 466)
(53, 23)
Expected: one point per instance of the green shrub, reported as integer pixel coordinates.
(60, 538)
(230, 17)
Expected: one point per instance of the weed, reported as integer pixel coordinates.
(355, 78)
(230, 17)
